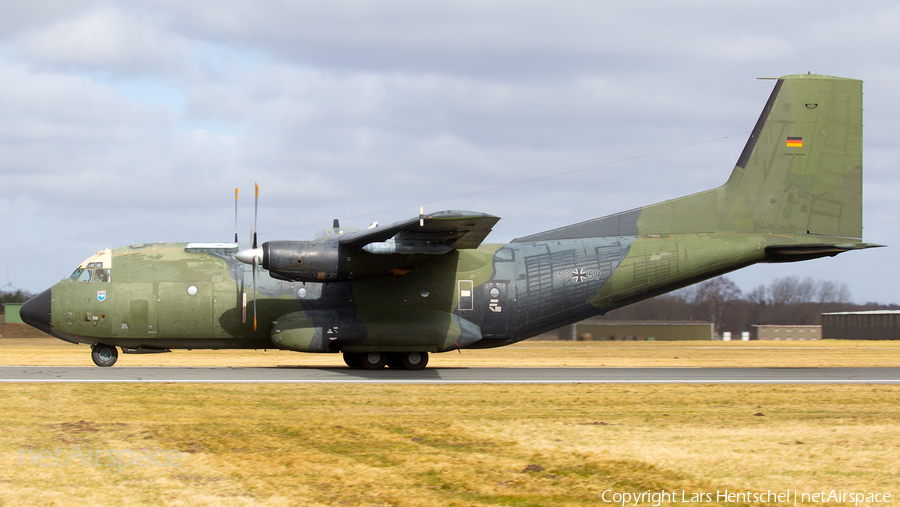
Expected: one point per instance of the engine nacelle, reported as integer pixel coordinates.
(329, 261)
(306, 261)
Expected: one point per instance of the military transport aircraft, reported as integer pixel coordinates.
(390, 295)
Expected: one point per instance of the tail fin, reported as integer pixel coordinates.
(800, 172)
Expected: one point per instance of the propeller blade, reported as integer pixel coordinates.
(252, 255)
(255, 214)
(255, 266)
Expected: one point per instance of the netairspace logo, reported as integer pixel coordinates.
(786, 497)
(118, 458)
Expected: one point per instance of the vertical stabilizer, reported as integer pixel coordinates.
(800, 172)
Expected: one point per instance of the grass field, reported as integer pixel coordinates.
(53, 352)
(443, 445)
(417, 445)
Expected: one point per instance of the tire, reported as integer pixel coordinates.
(372, 360)
(104, 355)
(414, 360)
(351, 359)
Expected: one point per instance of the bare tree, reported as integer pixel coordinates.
(833, 292)
(715, 299)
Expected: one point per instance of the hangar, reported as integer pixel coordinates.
(872, 325)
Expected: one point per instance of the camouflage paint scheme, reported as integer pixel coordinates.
(794, 194)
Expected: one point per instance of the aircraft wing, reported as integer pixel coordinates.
(455, 229)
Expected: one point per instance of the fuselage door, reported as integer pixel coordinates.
(496, 312)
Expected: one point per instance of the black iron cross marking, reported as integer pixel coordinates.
(579, 275)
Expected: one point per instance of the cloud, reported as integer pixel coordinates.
(105, 40)
(140, 120)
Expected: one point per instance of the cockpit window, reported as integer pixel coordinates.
(102, 276)
(95, 268)
(86, 275)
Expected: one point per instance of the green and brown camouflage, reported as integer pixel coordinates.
(393, 294)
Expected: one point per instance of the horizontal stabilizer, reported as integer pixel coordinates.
(801, 252)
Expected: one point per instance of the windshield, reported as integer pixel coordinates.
(86, 275)
(95, 268)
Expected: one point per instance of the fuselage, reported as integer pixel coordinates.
(197, 295)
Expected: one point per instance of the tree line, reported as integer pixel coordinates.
(785, 301)
(17, 296)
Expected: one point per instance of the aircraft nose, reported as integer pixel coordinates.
(36, 311)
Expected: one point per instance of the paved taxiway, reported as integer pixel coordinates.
(290, 374)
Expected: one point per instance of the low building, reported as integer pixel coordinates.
(11, 313)
(788, 333)
(592, 330)
(873, 325)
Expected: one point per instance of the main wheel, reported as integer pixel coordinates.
(414, 360)
(352, 359)
(372, 360)
(104, 355)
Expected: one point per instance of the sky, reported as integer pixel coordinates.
(133, 122)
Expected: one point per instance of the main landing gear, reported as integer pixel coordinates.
(104, 355)
(378, 360)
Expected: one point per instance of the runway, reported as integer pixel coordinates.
(453, 375)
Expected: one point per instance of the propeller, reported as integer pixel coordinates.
(252, 255)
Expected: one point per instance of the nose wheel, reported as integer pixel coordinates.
(104, 355)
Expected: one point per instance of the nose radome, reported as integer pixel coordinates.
(36, 311)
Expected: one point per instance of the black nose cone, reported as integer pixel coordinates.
(36, 311)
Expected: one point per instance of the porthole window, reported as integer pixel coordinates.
(495, 292)
(192, 290)
(302, 292)
(425, 293)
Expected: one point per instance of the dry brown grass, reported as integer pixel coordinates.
(53, 352)
(418, 445)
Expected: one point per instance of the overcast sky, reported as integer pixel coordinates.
(126, 122)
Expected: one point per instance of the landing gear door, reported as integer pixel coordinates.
(496, 312)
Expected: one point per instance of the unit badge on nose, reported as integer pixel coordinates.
(101, 295)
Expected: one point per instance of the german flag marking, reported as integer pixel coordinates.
(795, 142)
